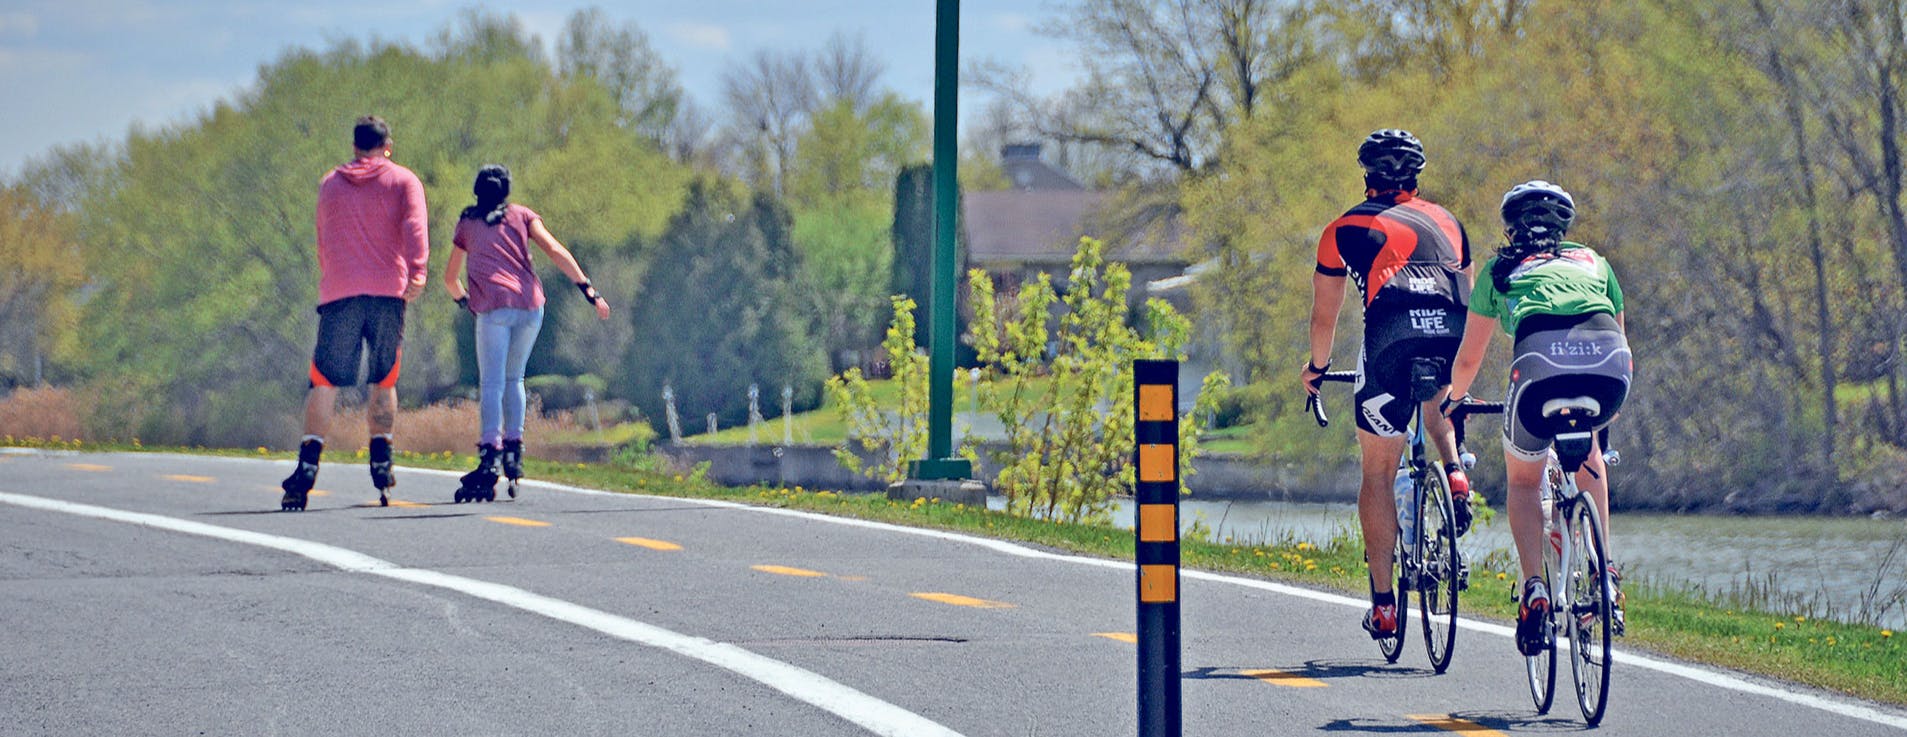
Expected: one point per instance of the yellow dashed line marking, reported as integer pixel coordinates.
(1449, 723)
(88, 467)
(786, 571)
(958, 600)
(643, 542)
(1281, 678)
(518, 521)
(407, 505)
(188, 478)
(1125, 637)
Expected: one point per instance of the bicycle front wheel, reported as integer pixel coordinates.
(1439, 568)
(1587, 613)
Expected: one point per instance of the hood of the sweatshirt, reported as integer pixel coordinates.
(364, 169)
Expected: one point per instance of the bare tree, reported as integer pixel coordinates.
(846, 70)
(769, 99)
(620, 59)
(1163, 77)
(1846, 60)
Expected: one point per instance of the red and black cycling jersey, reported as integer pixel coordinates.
(1401, 250)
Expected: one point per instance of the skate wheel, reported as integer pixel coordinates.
(460, 496)
(383, 500)
(512, 489)
(490, 495)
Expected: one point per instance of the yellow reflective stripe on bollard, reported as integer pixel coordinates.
(1158, 523)
(1155, 463)
(1158, 584)
(1155, 403)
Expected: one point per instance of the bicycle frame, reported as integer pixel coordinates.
(1428, 561)
(1566, 508)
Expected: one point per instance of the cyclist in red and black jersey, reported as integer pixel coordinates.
(1411, 261)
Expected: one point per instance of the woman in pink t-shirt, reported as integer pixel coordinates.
(494, 237)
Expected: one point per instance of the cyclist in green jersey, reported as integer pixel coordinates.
(1561, 302)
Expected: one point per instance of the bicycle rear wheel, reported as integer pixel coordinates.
(1393, 647)
(1439, 569)
(1541, 667)
(1588, 611)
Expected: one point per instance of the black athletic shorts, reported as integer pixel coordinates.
(1393, 340)
(1558, 357)
(347, 326)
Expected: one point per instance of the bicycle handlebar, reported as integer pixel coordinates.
(1472, 407)
(1315, 404)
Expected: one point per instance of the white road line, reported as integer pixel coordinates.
(1703, 675)
(878, 717)
(1699, 674)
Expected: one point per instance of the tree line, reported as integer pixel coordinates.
(1739, 162)
(173, 274)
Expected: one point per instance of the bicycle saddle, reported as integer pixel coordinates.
(1585, 406)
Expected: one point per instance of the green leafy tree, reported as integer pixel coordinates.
(1069, 437)
(717, 313)
(891, 438)
(178, 357)
(842, 204)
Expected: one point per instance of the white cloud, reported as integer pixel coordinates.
(19, 25)
(700, 35)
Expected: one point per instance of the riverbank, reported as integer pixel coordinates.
(1860, 661)
(1231, 477)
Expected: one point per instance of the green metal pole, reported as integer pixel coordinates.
(940, 462)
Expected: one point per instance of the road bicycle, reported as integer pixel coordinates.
(1427, 560)
(1583, 595)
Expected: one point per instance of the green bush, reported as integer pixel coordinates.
(561, 393)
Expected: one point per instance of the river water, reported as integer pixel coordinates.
(1819, 566)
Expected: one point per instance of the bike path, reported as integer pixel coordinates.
(1014, 642)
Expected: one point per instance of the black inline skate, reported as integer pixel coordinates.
(513, 463)
(480, 485)
(298, 485)
(381, 475)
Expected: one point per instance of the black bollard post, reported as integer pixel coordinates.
(1156, 526)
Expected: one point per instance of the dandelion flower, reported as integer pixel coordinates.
(1799, 620)
(1781, 625)
(262, 451)
(1887, 633)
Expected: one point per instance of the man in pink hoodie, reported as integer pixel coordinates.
(373, 250)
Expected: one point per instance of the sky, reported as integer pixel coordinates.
(78, 71)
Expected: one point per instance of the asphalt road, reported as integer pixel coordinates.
(165, 595)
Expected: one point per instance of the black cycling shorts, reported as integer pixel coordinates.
(1559, 357)
(346, 327)
(1393, 340)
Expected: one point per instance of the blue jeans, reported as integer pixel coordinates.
(504, 338)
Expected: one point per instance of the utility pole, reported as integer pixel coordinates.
(942, 474)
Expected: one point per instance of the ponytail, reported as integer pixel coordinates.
(492, 189)
(1520, 248)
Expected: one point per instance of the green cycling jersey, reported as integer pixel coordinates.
(1574, 281)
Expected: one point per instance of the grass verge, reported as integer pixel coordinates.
(1860, 661)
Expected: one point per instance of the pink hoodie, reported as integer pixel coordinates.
(373, 232)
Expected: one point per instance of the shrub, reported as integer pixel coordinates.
(41, 413)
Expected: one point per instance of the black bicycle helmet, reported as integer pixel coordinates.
(1538, 208)
(1391, 154)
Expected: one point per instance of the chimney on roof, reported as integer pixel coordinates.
(1020, 152)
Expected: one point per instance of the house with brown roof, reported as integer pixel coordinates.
(1017, 234)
